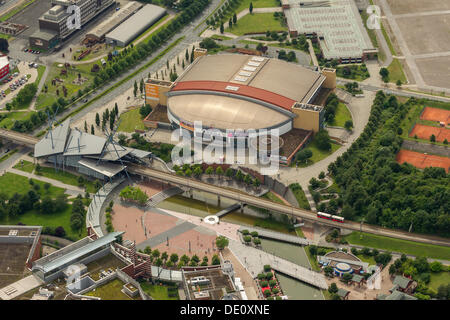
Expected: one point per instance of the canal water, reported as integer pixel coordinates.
(294, 289)
(205, 204)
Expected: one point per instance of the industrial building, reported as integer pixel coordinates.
(53, 27)
(237, 93)
(135, 25)
(88, 154)
(337, 25)
(97, 33)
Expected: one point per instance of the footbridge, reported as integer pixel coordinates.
(264, 233)
(19, 138)
(229, 209)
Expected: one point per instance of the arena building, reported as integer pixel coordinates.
(237, 93)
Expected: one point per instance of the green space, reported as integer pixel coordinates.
(341, 116)
(396, 72)
(7, 120)
(67, 178)
(5, 36)
(12, 183)
(9, 154)
(40, 70)
(300, 196)
(256, 23)
(131, 121)
(399, 245)
(25, 166)
(249, 42)
(299, 233)
(313, 257)
(273, 197)
(367, 258)
(376, 188)
(55, 92)
(220, 37)
(245, 4)
(356, 72)
(317, 153)
(110, 291)
(157, 292)
(16, 184)
(439, 278)
(388, 40)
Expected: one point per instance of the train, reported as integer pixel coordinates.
(328, 216)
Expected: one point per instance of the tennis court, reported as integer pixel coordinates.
(425, 132)
(421, 161)
(436, 114)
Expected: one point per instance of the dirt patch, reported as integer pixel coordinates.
(410, 6)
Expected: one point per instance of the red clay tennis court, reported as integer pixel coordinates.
(436, 114)
(422, 161)
(425, 132)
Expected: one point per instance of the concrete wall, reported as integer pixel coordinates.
(306, 119)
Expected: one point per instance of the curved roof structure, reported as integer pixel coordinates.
(224, 112)
(233, 91)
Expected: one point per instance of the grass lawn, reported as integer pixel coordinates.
(301, 199)
(369, 259)
(341, 116)
(299, 233)
(157, 292)
(24, 165)
(130, 121)
(439, 278)
(65, 177)
(245, 4)
(313, 260)
(272, 197)
(8, 122)
(319, 154)
(9, 154)
(396, 72)
(110, 291)
(256, 23)
(388, 40)
(45, 99)
(219, 37)
(12, 183)
(54, 220)
(40, 70)
(398, 245)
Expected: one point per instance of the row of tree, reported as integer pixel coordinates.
(380, 190)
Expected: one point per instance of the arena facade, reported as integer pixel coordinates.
(240, 93)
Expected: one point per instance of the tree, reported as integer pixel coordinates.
(60, 232)
(333, 288)
(221, 29)
(250, 8)
(323, 140)
(135, 88)
(4, 45)
(384, 73)
(215, 260)
(234, 18)
(230, 23)
(348, 125)
(209, 170)
(174, 258)
(303, 155)
(97, 119)
(433, 138)
(247, 239)
(219, 171)
(221, 242)
(399, 83)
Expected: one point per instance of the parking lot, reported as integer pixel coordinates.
(16, 82)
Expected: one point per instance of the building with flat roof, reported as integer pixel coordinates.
(97, 33)
(337, 25)
(83, 251)
(236, 94)
(135, 25)
(53, 25)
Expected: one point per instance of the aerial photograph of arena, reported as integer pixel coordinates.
(242, 150)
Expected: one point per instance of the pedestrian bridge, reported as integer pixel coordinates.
(263, 233)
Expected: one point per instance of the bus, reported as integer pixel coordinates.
(323, 215)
